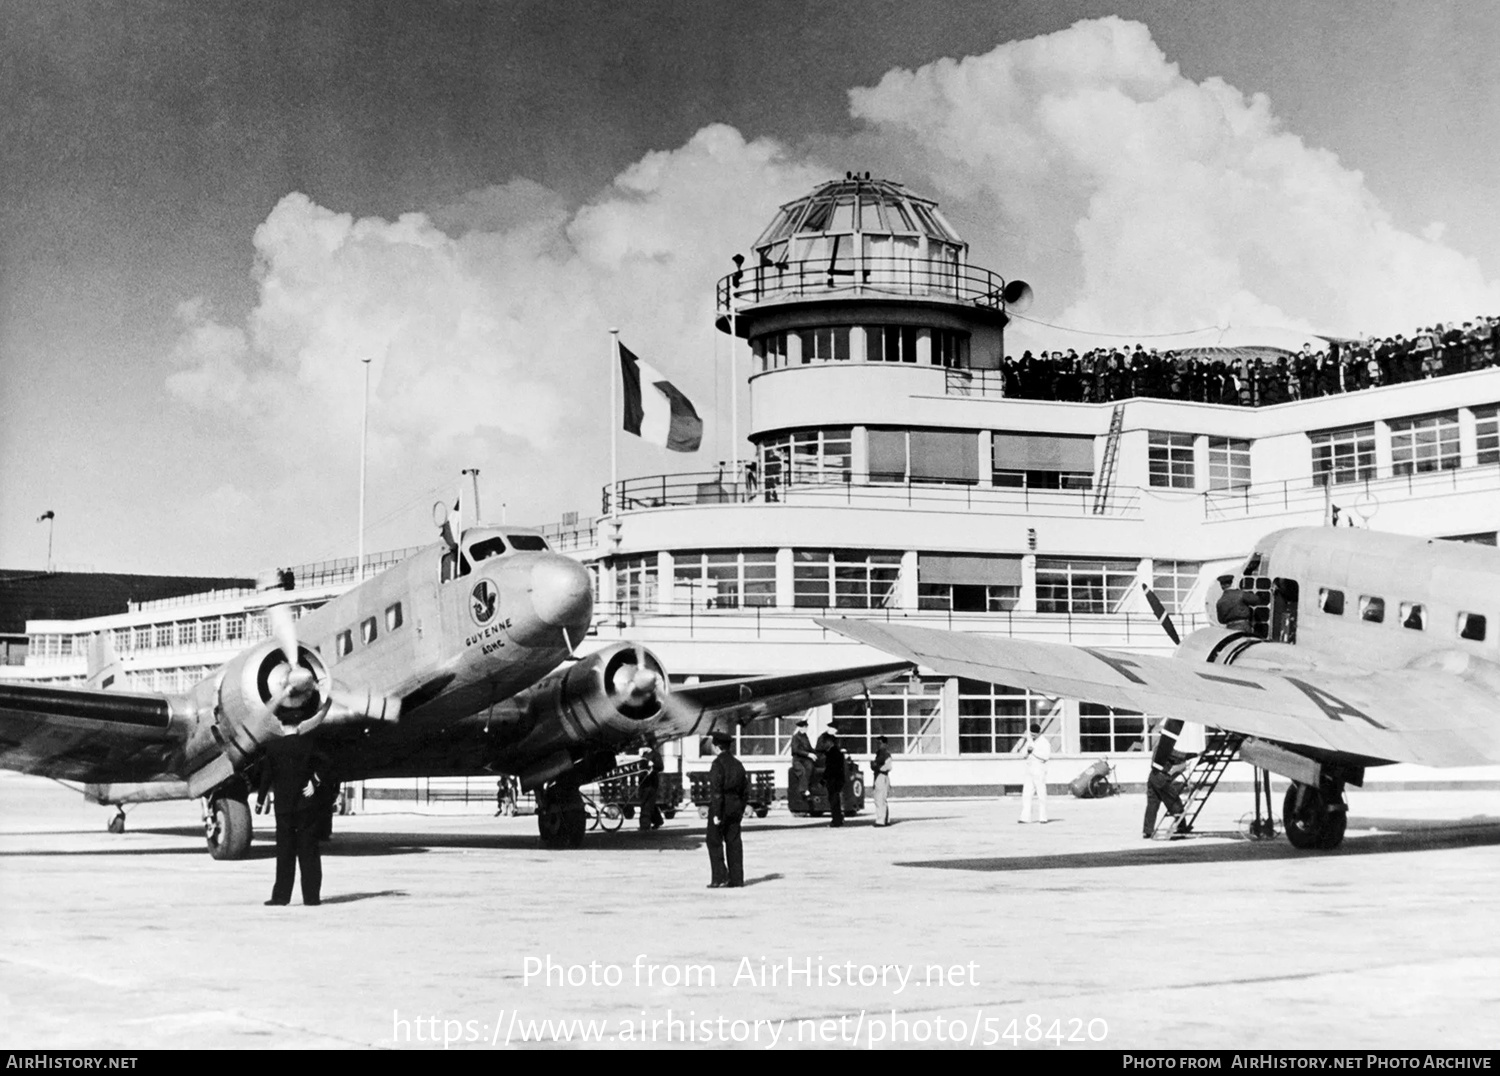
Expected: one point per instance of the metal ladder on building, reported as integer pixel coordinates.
(1107, 468)
(1219, 750)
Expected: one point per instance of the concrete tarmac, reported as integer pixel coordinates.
(955, 926)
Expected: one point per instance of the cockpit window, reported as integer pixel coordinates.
(490, 547)
(527, 542)
(1252, 565)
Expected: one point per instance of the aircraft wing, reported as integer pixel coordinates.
(82, 734)
(1425, 716)
(725, 703)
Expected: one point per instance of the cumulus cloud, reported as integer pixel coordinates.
(1183, 203)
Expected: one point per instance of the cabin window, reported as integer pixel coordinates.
(490, 547)
(1413, 615)
(393, 617)
(1471, 626)
(1331, 601)
(1371, 609)
(343, 644)
(367, 630)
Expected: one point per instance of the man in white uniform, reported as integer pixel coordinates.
(1036, 750)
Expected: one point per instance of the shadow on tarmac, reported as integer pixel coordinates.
(1406, 836)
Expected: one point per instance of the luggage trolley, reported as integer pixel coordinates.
(762, 791)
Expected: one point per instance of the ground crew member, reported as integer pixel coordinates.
(1036, 750)
(1232, 609)
(651, 787)
(300, 806)
(728, 792)
(1160, 789)
(882, 768)
(804, 759)
(833, 772)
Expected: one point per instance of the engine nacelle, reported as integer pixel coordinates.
(598, 704)
(244, 719)
(1225, 646)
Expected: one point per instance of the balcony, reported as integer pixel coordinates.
(927, 279)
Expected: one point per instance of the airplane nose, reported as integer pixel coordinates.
(561, 592)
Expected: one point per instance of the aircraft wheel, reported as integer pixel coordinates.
(761, 812)
(1313, 819)
(117, 823)
(228, 828)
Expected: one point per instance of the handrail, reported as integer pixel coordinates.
(865, 276)
(1302, 494)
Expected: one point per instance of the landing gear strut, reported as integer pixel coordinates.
(226, 823)
(1315, 818)
(117, 823)
(560, 817)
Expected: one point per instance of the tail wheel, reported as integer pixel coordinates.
(1314, 818)
(228, 828)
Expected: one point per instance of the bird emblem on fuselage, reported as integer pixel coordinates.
(484, 599)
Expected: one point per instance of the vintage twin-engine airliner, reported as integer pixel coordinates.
(1363, 649)
(441, 665)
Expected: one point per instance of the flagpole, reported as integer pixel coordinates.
(364, 437)
(614, 420)
(734, 390)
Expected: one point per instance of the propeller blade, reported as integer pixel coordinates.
(1160, 612)
(283, 630)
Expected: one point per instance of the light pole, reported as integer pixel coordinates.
(364, 434)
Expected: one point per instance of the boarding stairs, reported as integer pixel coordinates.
(1219, 750)
(1107, 468)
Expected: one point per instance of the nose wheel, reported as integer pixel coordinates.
(1315, 817)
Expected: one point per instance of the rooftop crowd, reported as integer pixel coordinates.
(1106, 374)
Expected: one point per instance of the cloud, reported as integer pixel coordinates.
(1183, 203)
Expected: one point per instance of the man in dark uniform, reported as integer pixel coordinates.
(804, 760)
(651, 787)
(1160, 789)
(300, 806)
(1232, 609)
(833, 771)
(728, 792)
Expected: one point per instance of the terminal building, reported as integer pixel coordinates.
(888, 474)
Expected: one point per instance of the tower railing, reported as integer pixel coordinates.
(931, 278)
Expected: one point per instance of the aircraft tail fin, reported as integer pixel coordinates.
(104, 668)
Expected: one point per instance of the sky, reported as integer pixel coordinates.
(212, 214)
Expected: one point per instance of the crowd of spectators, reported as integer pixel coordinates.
(1201, 376)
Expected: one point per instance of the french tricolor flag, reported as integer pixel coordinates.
(654, 409)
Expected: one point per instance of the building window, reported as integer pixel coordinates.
(1083, 586)
(967, 597)
(1371, 609)
(1106, 730)
(143, 639)
(725, 580)
(164, 635)
(891, 343)
(1331, 601)
(825, 345)
(1487, 433)
(635, 582)
(257, 626)
(845, 579)
(771, 350)
(1170, 459)
(1343, 455)
(1041, 461)
(234, 628)
(122, 638)
(992, 718)
(1173, 580)
(343, 644)
(1471, 626)
(1420, 445)
(924, 456)
(208, 629)
(805, 456)
(367, 630)
(187, 633)
(1228, 463)
(948, 348)
(768, 737)
(393, 617)
(908, 713)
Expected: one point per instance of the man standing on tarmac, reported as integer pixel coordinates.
(728, 792)
(833, 772)
(1036, 751)
(301, 808)
(804, 760)
(651, 787)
